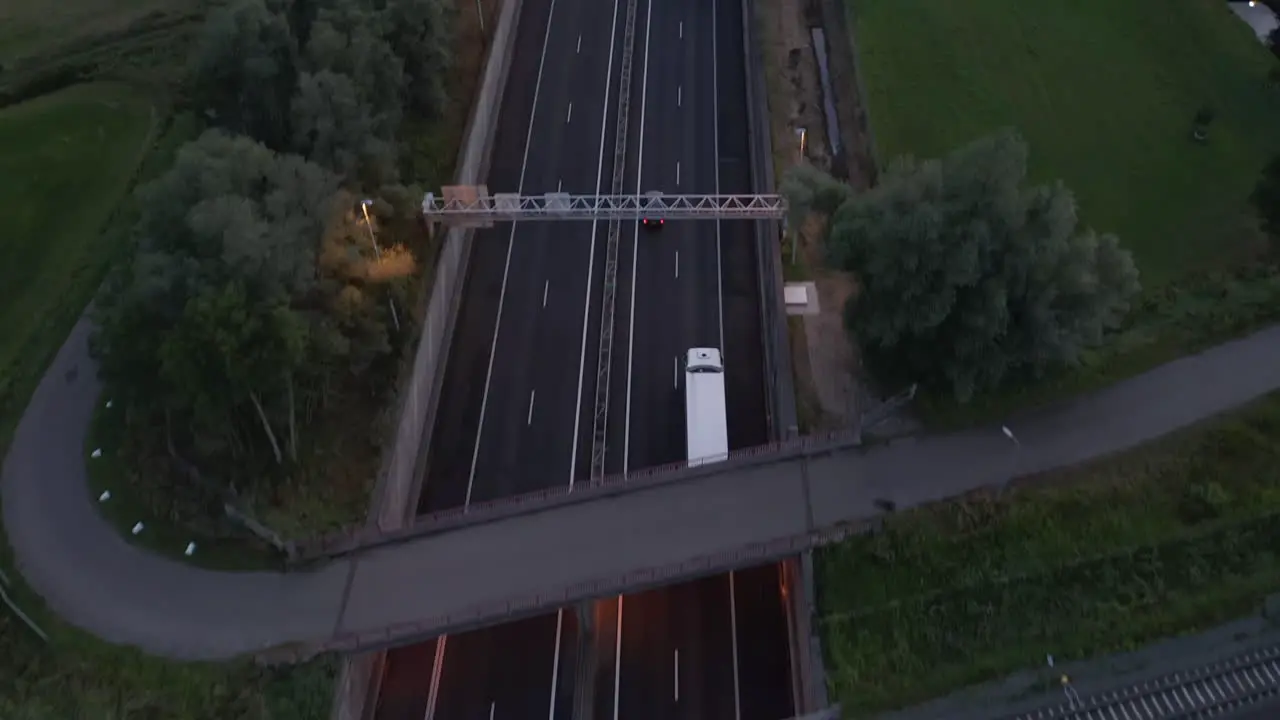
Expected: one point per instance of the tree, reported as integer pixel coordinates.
(1266, 199)
(808, 189)
(244, 70)
(968, 279)
(347, 106)
(220, 313)
(1273, 40)
(334, 126)
(418, 31)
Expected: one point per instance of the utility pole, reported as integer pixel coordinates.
(364, 207)
(480, 15)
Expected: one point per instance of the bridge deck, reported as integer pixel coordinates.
(552, 555)
(534, 562)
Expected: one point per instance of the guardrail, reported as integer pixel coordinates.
(347, 542)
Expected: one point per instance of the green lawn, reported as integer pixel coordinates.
(30, 28)
(1104, 92)
(77, 677)
(1171, 538)
(65, 163)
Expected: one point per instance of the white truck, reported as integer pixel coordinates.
(705, 421)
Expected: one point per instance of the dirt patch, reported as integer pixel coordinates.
(824, 358)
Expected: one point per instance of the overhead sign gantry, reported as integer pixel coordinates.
(473, 206)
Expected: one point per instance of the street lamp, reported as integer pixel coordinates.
(1017, 448)
(1009, 434)
(377, 253)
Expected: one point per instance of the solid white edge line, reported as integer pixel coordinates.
(438, 666)
(676, 675)
(635, 241)
(733, 635)
(555, 664)
(433, 687)
(617, 661)
(715, 93)
(511, 243)
(591, 259)
(784, 574)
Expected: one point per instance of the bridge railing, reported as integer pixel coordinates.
(349, 541)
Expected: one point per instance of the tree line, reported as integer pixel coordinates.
(968, 279)
(254, 292)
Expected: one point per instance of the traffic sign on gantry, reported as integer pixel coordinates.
(473, 206)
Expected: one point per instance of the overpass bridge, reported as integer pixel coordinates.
(521, 558)
(529, 555)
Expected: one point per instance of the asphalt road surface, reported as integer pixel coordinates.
(523, 345)
(715, 648)
(516, 409)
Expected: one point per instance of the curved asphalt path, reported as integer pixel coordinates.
(97, 581)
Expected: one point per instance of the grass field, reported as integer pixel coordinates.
(1173, 537)
(74, 676)
(67, 160)
(65, 168)
(28, 28)
(1104, 92)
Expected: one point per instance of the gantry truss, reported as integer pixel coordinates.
(473, 206)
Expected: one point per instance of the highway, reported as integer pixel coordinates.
(516, 406)
(523, 345)
(693, 284)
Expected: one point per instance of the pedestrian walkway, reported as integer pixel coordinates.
(527, 563)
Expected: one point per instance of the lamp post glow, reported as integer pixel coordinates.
(377, 253)
(1017, 449)
(364, 207)
(1009, 434)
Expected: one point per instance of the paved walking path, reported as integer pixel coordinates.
(523, 564)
